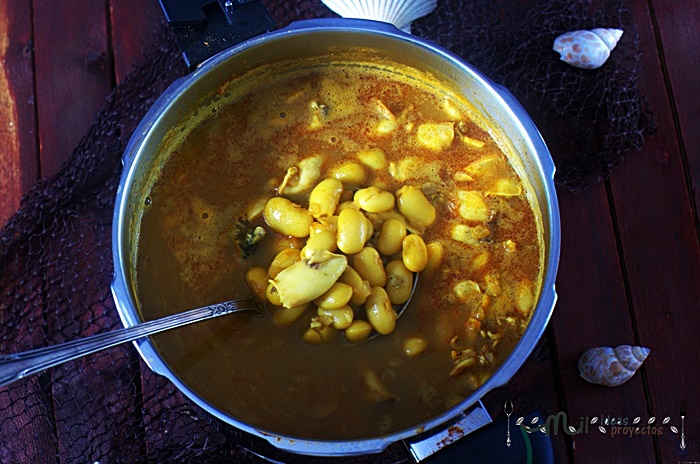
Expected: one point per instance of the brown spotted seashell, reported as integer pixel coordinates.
(611, 366)
(587, 49)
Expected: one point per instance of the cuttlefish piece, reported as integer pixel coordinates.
(302, 177)
(309, 278)
(611, 366)
(587, 49)
(376, 390)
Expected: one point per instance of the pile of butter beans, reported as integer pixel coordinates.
(358, 294)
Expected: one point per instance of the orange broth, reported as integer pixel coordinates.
(470, 310)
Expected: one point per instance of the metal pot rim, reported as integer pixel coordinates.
(123, 293)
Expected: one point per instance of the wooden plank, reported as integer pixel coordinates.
(659, 244)
(94, 396)
(679, 26)
(26, 421)
(19, 156)
(74, 73)
(140, 46)
(134, 27)
(592, 311)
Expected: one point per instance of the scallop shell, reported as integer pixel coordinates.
(400, 13)
(611, 366)
(587, 49)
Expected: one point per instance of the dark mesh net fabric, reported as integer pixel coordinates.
(56, 260)
(589, 118)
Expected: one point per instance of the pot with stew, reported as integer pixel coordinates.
(322, 168)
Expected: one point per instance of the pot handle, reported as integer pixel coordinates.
(430, 442)
(204, 28)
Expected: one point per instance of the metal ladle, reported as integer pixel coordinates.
(17, 366)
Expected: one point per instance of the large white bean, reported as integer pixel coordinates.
(350, 173)
(287, 316)
(413, 346)
(282, 261)
(435, 253)
(338, 318)
(322, 236)
(318, 334)
(374, 200)
(373, 158)
(360, 287)
(287, 218)
(391, 237)
(399, 282)
(415, 206)
(473, 206)
(414, 253)
(379, 311)
(336, 297)
(358, 331)
(282, 243)
(256, 276)
(272, 295)
(368, 264)
(525, 297)
(467, 291)
(347, 204)
(324, 198)
(370, 228)
(353, 231)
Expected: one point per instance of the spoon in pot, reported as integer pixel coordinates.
(19, 365)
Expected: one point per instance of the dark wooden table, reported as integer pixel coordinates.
(630, 261)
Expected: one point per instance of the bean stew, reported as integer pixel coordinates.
(323, 190)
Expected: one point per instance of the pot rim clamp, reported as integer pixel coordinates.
(203, 28)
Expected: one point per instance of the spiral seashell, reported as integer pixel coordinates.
(587, 49)
(400, 13)
(611, 366)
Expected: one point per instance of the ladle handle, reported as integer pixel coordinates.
(19, 365)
